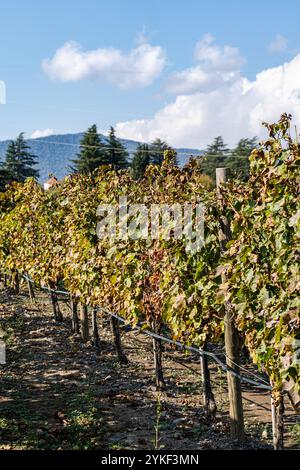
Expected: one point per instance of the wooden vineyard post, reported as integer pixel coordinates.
(15, 281)
(75, 321)
(157, 353)
(277, 423)
(232, 341)
(157, 356)
(55, 305)
(30, 290)
(115, 327)
(208, 398)
(96, 340)
(84, 323)
(58, 311)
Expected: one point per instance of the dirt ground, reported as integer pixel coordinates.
(58, 393)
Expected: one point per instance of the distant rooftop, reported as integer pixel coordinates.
(53, 181)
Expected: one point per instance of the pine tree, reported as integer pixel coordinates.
(157, 149)
(215, 156)
(19, 161)
(116, 152)
(92, 152)
(140, 161)
(239, 166)
(4, 177)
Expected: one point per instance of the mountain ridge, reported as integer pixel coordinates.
(56, 152)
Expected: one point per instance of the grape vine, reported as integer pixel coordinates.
(52, 236)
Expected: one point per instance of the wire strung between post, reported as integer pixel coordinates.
(201, 352)
(156, 152)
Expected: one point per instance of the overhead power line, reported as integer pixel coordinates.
(152, 151)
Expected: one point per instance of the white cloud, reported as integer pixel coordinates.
(195, 79)
(138, 68)
(220, 58)
(234, 108)
(278, 44)
(215, 66)
(41, 133)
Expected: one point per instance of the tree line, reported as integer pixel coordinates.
(95, 151)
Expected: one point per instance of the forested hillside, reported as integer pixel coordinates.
(56, 152)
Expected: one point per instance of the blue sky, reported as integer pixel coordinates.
(260, 34)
